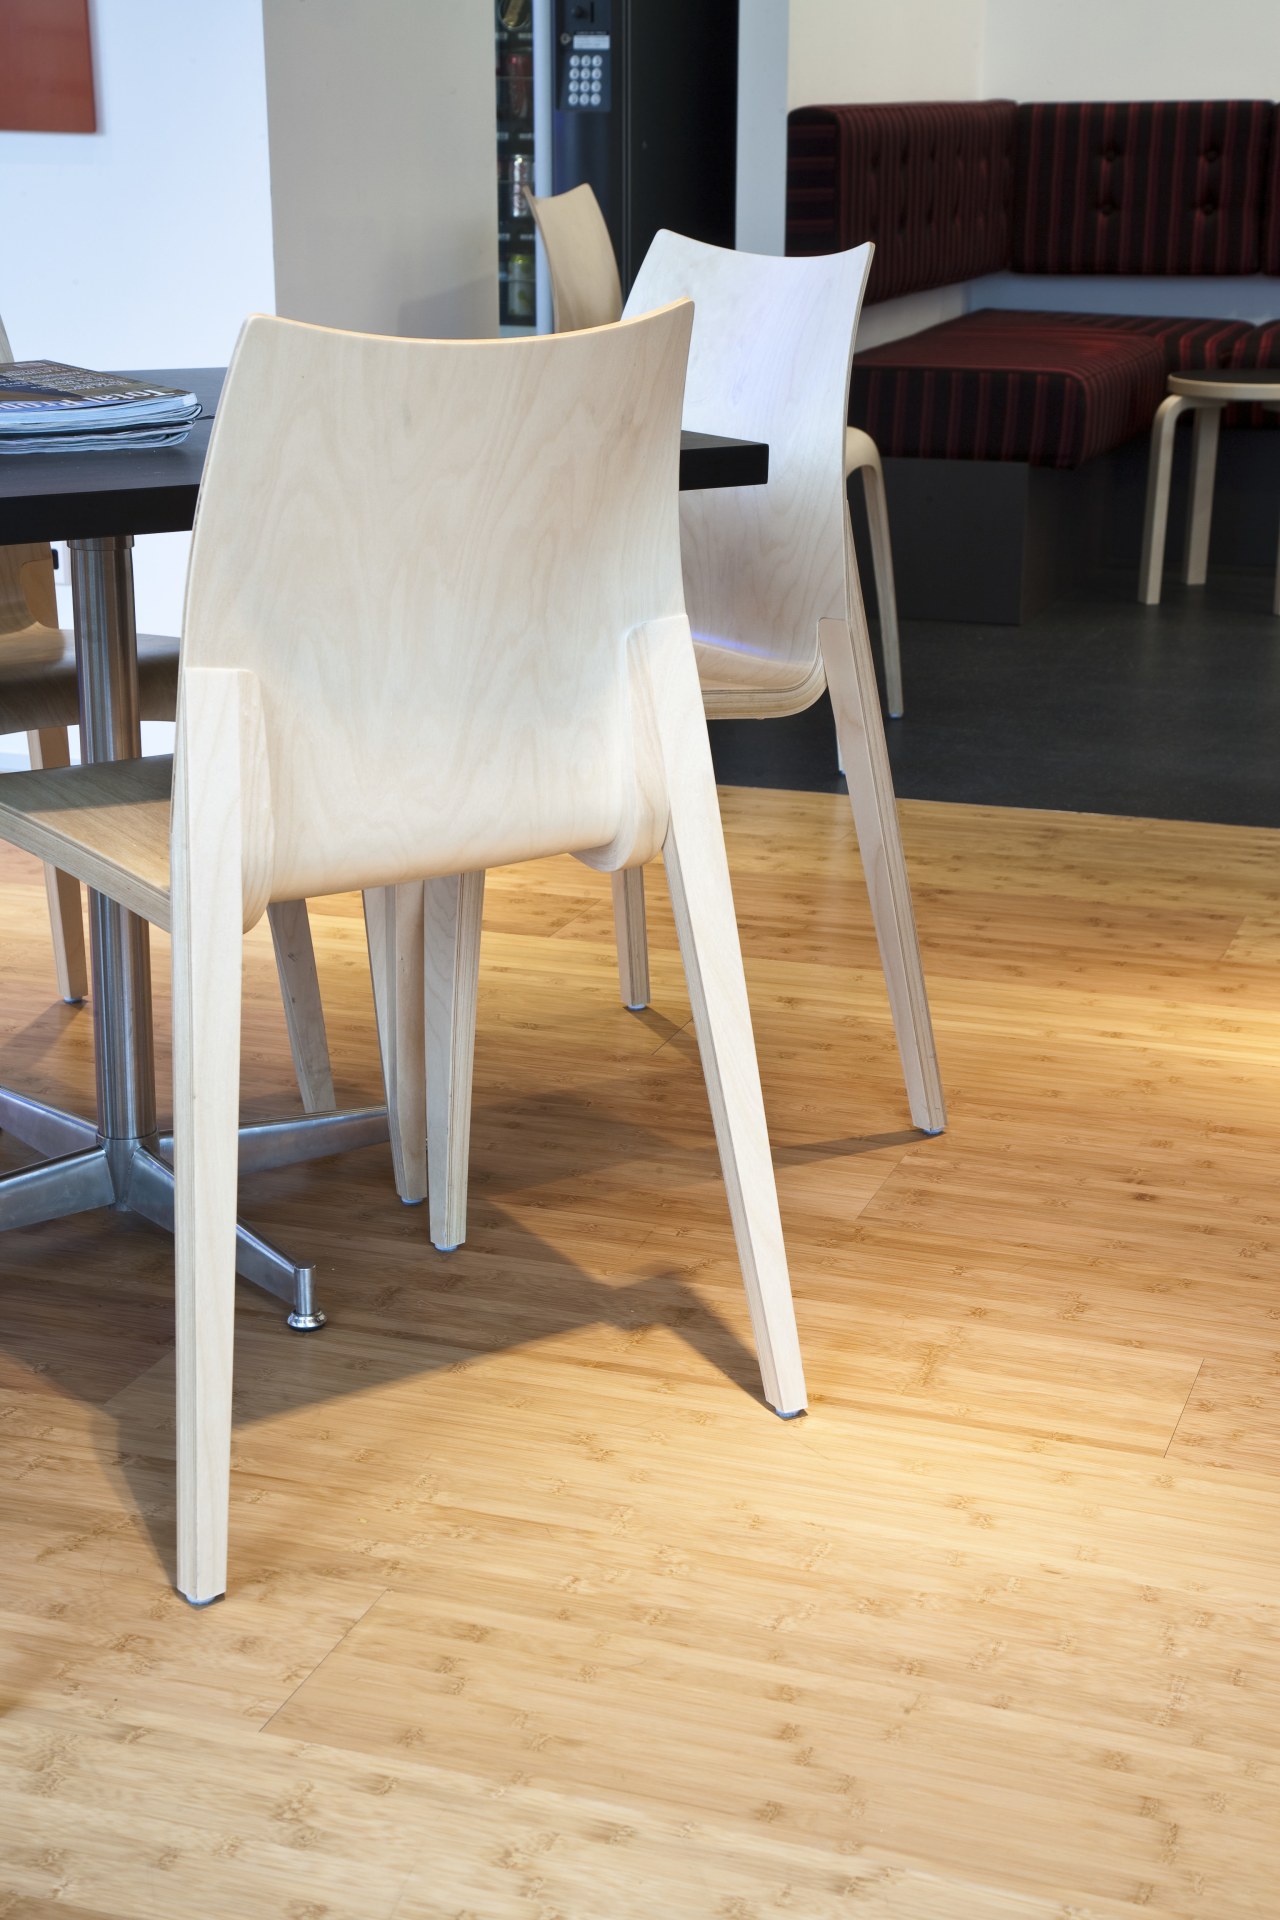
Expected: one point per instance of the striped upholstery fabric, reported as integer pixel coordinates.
(1141, 187)
(990, 387)
(1188, 345)
(931, 184)
(1270, 261)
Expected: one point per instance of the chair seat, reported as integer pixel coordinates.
(38, 678)
(739, 685)
(107, 825)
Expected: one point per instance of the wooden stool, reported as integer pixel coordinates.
(1204, 394)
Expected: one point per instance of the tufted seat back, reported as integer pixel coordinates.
(930, 183)
(1270, 261)
(1164, 186)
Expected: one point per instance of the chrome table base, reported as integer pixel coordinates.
(123, 1161)
(85, 1171)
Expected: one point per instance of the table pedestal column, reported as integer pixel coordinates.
(122, 1161)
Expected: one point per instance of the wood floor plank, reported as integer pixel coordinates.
(535, 1610)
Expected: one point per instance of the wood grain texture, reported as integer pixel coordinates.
(534, 1612)
(862, 456)
(49, 747)
(585, 289)
(553, 684)
(394, 929)
(770, 570)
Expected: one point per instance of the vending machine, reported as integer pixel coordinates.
(638, 98)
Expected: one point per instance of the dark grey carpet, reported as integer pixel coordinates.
(1097, 705)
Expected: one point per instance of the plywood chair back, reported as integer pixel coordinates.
(423, 560)
(770, 360)
(27, 597)
(585, 288)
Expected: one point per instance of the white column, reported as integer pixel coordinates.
(763, 34)
(380, 118)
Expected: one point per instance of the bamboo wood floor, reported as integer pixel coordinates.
(537, 1614)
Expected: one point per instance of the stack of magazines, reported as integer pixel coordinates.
(48, 408)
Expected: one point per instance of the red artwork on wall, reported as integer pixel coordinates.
(46, 67)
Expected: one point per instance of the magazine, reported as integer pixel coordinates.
(48, 407)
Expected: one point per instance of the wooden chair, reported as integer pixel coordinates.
(38, 697)
(537, 693)
(586, 292)
(771, 580)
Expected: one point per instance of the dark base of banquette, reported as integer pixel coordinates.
(996, 541)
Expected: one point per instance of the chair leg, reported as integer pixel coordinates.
(207, 952)
(48, 747)
(454, 910)
(393, 923)
(1156, 517)
(1204, 461)
(303, 1007)
(702, 901)
(846, 655)
(632, 936)
(886, 598)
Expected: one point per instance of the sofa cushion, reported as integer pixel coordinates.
(1188, 345)
(1141, 187)
(930, 184)
(990, 387)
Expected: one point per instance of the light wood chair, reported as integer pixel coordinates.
(537, 692)
(38, 697)
(771, 581)
(586, 292)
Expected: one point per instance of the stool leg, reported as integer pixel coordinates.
(47, 747)
(1156, 519)
(1275, 599)
(1204, 461)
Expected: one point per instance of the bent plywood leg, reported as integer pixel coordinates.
(632, 936)
(882, 566)
(47, 747)
(393, 924)
(454, 909)
(207, 918)
(1204, 461)
(702, 901)
(303, 1007)
(846, 656)
(1156, 517)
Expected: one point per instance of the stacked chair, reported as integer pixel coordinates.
(771, 580)
(586, 292)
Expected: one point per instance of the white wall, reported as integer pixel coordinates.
(889, 50)
(146, 243)
(384, 198)
(886, 50)
(763, 36)
(1132, 50)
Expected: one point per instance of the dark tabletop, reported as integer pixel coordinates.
(84, 496)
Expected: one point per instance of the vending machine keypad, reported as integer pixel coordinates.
(584, 74)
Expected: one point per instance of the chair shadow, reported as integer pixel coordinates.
(375, 1282)
(378, 1283)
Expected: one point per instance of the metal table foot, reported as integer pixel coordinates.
(74, 1183)
(84, 1172)
(44, 1129)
